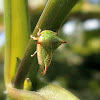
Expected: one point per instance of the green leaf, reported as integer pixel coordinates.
(53, 92)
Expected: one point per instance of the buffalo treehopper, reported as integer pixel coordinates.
(47, 43)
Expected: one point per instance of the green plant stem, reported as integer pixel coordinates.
(17, 31)
(7, 5)
(52, 18)
(49, 92)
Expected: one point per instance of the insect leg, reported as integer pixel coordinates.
(34, 53)
(39, 32)
(34, 38)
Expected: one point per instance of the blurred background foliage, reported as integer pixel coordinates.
(76, 65)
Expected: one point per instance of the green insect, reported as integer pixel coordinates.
(47, 43)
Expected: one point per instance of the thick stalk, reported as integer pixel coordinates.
(49, 92)
(17, 31)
